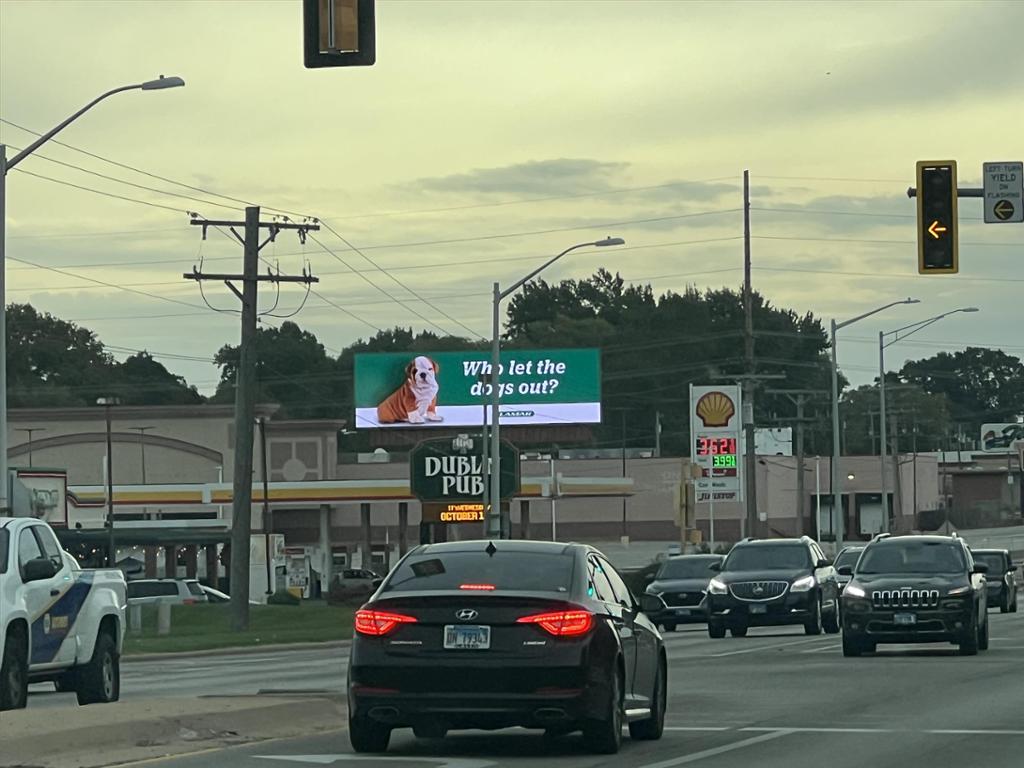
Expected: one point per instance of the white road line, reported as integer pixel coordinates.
(693, 758)
(824, 649)
(965, 732)
(756, 648)
(754, 729)
(697, 728)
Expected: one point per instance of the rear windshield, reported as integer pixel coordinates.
(849, 557)
(762, 557)
(995, 561)
(5, 540)
(194, 589)
(521, 571)
(912, 557)
(687, 568)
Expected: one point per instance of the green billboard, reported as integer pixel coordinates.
(450, 389)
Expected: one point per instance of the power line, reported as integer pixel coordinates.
(147, 173)
(133, 184)
(100, 192)
(874, 242)
(392, 277)
(868, 214)
(526, 201)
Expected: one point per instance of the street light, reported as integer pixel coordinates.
(31, 431)
(107, 402)
(882, 344)
(494, 517)
(160, 83)
(837, 481)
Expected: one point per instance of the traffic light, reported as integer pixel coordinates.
(937, 248)
(338, 33)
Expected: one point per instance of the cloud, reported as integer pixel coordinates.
(559, 176)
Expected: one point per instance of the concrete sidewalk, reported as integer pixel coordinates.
(84, 737)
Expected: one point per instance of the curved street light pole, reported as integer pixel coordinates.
(494, 527)
(837, 483)
(5, 165)
(882, 427)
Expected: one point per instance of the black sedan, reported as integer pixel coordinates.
(492, 635)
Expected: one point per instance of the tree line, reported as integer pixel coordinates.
(653, 347)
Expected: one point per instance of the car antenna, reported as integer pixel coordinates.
(491, 549)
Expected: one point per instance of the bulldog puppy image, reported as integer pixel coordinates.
(415, 401)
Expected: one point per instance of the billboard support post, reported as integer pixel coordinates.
(494, 511)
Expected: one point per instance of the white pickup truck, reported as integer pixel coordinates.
(58, 622)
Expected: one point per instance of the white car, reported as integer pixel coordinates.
(59, 623)
(174, 591)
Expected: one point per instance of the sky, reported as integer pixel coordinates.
(491, 135)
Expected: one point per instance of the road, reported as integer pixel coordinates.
(776, 699)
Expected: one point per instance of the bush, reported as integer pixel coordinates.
(283, 597)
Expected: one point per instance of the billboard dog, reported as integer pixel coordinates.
(415, 401)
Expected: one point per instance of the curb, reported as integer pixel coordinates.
(242, 650)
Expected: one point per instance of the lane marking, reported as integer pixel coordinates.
(754, 729)
(697, 728)
(714, 751)
(441, 762)
(835, 647)
(967, 732)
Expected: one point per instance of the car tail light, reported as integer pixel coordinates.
(562, 623)
(477, 587)
(379, 623)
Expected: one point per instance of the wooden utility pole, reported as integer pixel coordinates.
(799, 398)
(245, 386)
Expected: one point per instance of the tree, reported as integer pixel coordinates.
(909, 410)
(653, 347)
(52, 363)
(981, 385)
(292, 369)
(141, 380)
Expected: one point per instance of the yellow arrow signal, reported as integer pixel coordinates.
(935, 229)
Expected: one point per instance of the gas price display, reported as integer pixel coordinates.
(721, 450)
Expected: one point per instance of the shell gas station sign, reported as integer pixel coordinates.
(716, 426)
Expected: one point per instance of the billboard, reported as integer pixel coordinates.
(999, 438)
(716, 431)
(450, 389)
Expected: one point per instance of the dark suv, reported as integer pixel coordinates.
(915, 589)
(1001, 578)
(772, 582)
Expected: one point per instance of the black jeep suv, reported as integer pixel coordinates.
(915, 589)
(771, 582)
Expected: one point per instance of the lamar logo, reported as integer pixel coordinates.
(716, 409)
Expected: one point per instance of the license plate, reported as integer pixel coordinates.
(904, 619)
(467, 637)
(759, 609)
(682, 611)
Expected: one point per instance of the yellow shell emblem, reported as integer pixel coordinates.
(715, 409)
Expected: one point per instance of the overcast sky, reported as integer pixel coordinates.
(490, 135)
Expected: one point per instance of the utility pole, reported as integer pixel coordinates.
(750, 470)
(799, 398)
(245, 385)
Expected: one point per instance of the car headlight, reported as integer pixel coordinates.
(958, 591)
(804, 584)
(854, 591)
(717, 587)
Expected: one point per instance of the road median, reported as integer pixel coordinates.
(86, 737)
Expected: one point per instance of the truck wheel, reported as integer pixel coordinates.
(99, 681)
(14, 675)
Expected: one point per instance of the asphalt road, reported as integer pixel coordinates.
(775, 699)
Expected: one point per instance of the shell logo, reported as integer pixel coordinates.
(715, 409)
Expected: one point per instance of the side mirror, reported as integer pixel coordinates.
(823, 563)
(715, 567)
(980, 568)
(40, 569)
(651, 603)
(845, 570)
